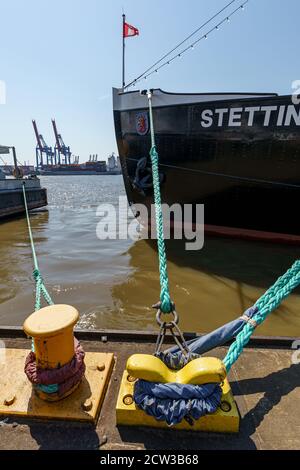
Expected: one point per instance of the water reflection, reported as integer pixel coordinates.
(15, 254)
(211, 286)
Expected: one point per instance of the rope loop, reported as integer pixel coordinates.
(168, 324)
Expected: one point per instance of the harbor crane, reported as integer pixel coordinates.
(62, 152)
(42, 150)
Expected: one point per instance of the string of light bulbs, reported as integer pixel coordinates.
(149, 71)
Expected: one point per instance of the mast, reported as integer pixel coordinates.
(123, 54)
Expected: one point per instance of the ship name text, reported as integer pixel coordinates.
(284, 115)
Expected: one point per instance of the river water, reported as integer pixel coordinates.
(113, 283)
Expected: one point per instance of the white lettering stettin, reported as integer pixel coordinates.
(286, 115)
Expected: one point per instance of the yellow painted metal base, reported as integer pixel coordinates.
(226, 419)
(17, 397)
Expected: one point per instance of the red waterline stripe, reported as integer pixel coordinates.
(242, 233)
(252, 235)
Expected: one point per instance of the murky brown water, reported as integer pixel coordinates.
(114, 282)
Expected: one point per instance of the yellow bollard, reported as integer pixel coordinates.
(52, 331)
(54, 345)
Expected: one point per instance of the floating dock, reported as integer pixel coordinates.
(265, 384)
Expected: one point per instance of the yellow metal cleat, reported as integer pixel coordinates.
(197, 372)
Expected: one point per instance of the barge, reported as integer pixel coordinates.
(11, 190)
(264, 381)
(11, 196)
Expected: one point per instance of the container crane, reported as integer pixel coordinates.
(60, 148)
(42, 149)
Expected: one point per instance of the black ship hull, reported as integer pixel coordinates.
(238, 154)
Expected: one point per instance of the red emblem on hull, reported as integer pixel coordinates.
(142, 123)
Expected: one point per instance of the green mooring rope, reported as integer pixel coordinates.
(268, 302)
(40, 288)
(165, 299)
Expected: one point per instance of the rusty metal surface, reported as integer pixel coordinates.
(264, 381)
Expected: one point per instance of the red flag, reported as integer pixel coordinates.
(129, 31)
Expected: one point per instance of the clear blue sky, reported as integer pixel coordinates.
(60, 58)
